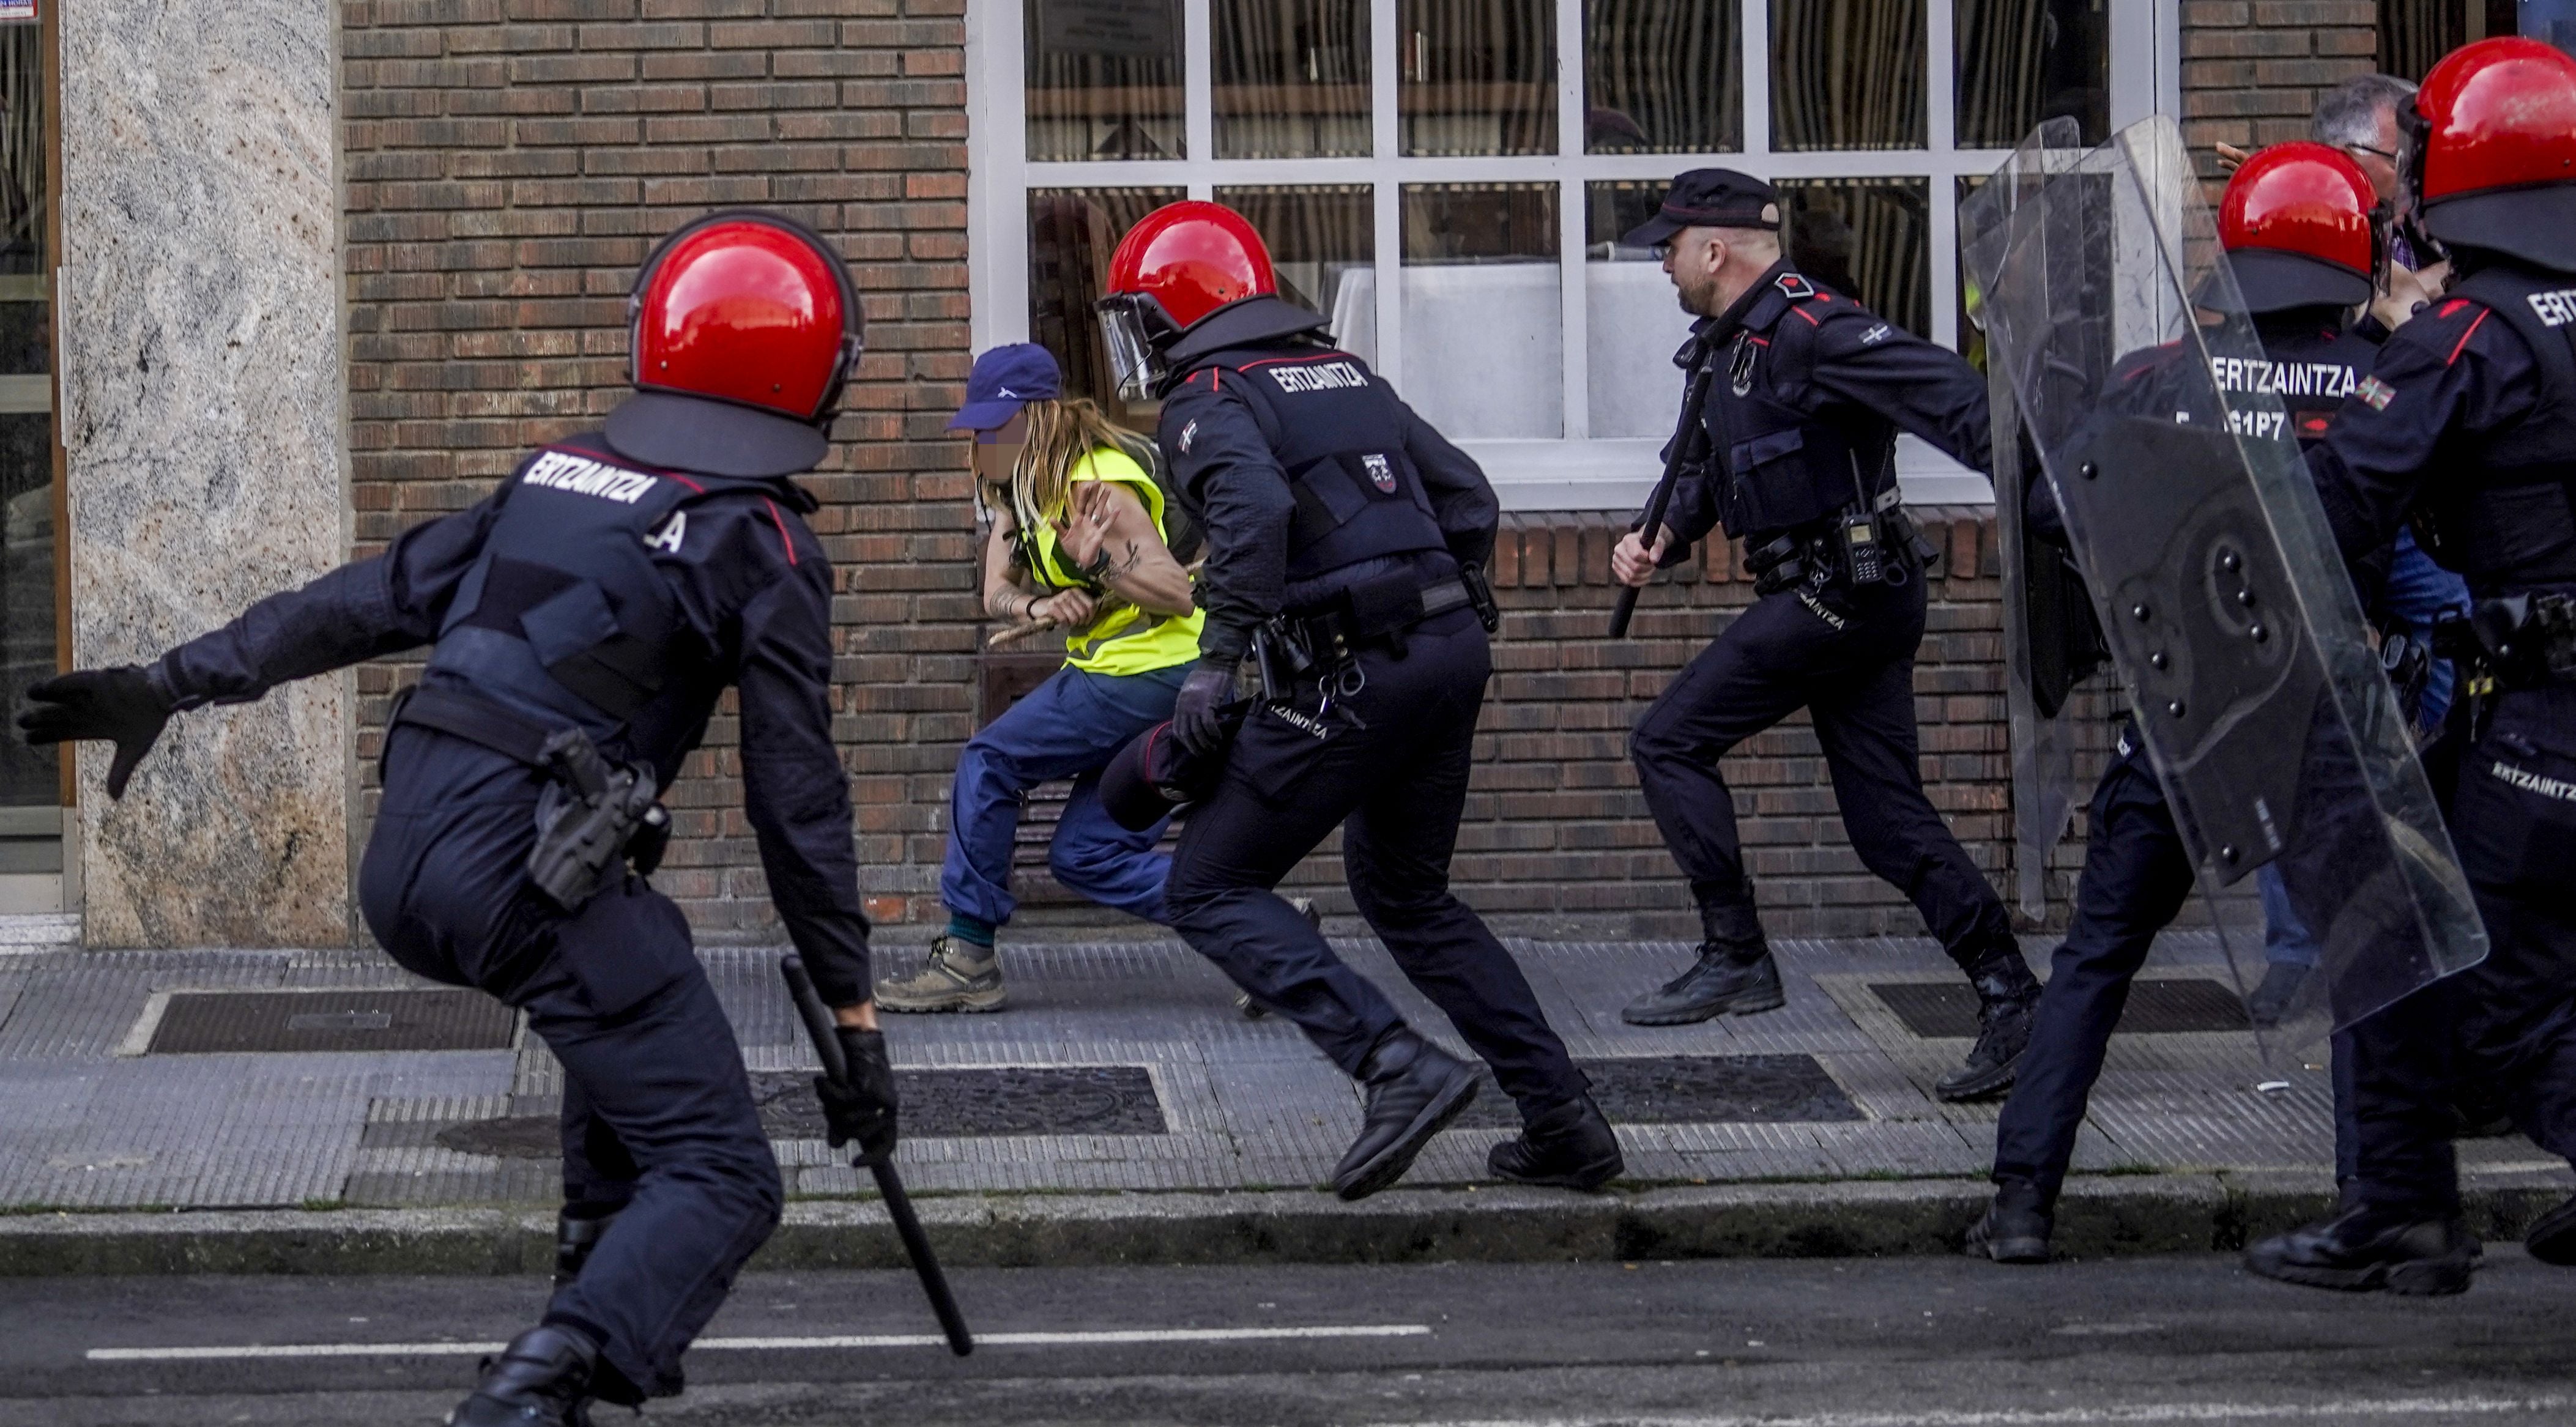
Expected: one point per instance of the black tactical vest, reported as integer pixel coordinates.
(1338, 433)
(1777, 467)
(2508, 522)
(564, 617)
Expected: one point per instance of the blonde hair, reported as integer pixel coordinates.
(1062, 432)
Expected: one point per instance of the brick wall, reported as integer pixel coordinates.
(2252, 70)
(1557, 840)
(508, 164)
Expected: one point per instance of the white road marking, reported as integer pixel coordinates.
(1095, 1338)
(2143, 1413)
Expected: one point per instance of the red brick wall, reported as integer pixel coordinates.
(509, 162)
(2252, 70)
(1556, 838)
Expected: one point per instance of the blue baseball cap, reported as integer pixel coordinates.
(1004, 380)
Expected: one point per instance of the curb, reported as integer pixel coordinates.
(2098, 1217)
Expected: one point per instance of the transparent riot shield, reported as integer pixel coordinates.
(2110, 313)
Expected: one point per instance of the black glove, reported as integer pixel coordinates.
(111, 705)
(1198, 715)
(862, 1107)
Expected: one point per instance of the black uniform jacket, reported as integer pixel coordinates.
(1233, 485)
(756, 591)
(1838, 364)
(2444, 384)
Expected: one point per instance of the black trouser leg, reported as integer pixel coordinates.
(2136, 875)
(658, 1106)
(1397, 851)
(1870, 742)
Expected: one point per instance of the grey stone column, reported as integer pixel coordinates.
(203, 400)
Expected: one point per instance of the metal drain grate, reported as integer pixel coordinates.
(1005, 1100)
(1933, 1010)
(211, 1022)
(1693, 1090)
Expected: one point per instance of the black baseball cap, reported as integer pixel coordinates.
(1709, 198)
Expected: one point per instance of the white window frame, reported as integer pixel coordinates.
(1576, 471)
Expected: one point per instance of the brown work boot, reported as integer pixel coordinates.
(958, 976)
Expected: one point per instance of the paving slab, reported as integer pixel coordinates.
(1200, 1113)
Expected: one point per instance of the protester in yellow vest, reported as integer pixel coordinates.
(1078, 542)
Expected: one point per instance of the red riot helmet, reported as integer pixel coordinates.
(2303, 228)
(1180, 265)
(744, 327)
(2490, 150)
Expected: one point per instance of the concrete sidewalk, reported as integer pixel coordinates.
(1119, 1109)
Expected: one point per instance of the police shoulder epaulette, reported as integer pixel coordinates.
(1795, 287)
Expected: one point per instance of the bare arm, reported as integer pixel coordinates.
(1110, 529)
(1004, 596)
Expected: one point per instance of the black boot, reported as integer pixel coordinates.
(577, 1231)
(1569, 1147)
(541, 1380)
(1414, 1089)
(2016, 1226)
(2552, 1237)
(2362, 1249)
(1734, 975)
(2007, 994)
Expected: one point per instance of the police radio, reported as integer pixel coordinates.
(1863, 554)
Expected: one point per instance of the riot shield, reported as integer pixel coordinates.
(2110, 313)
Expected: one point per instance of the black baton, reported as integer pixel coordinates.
(1683, 440)
(907, 1226)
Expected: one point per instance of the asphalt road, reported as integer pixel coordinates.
(1853, 1343)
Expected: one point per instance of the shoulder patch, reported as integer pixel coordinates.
(1795, 287)
(2375, 394)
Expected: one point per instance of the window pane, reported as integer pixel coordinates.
(1867, 238)
(1847, 74)
(2022, 61)
(1292, 78)
(1072, 232)
(1484, 335)
(1104, 79)
(29, 777)
(1661, 77)
(1320, 239)
(1479, 76)
(1635, 320)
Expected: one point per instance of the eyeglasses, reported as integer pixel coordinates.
(2381, 154)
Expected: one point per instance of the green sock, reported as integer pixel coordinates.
(974, 929)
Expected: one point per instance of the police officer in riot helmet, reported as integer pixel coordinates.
(1792, 450)
(583, 620)
(2307, 240)
(2466, 426)
(1345, 545)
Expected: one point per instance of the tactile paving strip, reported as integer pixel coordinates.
(208, 1022)
(1693, 1090)
(2171, 1006)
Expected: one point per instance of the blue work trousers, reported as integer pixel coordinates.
(1068, 727)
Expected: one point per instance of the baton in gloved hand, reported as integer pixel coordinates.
(916, 1244)
(1684, 441)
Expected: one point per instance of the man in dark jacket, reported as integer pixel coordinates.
(1792, 449)
(1345, 539)
(584, 619)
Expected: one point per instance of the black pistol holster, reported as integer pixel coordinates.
(593, 816)
(591, 819)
